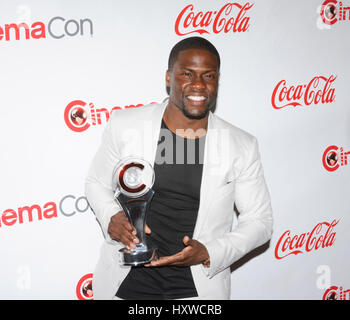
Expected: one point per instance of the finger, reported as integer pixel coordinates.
(147, 229)
(129, 240)
(187, 241)
(168, 260)
(128, 244)
(128, 226)
(157, 263)
(130, 229)
(133, 234)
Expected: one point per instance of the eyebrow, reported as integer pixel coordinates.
(189, 69)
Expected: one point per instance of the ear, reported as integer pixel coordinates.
(167, 78)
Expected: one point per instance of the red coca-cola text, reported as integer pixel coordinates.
(225, 20)
(321, 236)
(318, 90)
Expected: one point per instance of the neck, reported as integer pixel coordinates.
(183, 126)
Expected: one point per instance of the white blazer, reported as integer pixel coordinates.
(232, 173)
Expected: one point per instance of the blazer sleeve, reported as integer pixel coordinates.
(254, 225)
(98, 183)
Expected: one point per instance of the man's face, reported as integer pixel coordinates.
(193, 82)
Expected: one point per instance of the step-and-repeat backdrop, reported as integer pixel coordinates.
(65, 66)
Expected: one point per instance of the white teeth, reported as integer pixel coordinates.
(196, 98)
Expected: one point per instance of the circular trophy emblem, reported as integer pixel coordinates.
(133, 177)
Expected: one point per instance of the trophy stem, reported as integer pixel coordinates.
(136, 209)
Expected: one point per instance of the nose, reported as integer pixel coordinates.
(198, 83)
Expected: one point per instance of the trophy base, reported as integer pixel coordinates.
(135, 257)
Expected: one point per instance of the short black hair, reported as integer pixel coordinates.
(192, 43)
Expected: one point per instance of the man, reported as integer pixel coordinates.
(191, 215)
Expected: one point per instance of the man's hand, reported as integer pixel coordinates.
(120, 229)
(194, 253)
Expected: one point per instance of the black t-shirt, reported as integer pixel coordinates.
(172, 215)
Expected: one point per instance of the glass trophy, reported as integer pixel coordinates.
(134, 178)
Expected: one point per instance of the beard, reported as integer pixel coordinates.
(195, 116)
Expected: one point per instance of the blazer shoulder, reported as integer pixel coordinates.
(237, 134)
(138, 113)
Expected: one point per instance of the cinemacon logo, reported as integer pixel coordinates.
(80, 115)
(84, 288)
(57, 28)
(318, 90)
(334, 157)
(68, 206)
(336, 293)
(232, 17)
(321, 236)
(333, 11)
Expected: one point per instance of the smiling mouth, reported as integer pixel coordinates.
(196, 98)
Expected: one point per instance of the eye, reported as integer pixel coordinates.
(186, 73)
(210, 76)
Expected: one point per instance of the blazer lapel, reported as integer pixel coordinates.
(208, 174)
(151, 133)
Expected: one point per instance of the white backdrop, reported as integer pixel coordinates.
(114, 54)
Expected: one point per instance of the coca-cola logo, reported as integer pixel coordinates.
(321, 236)
(333, 11)
(318, 90)
(334, 157)
(336, 293)
(232, 17)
